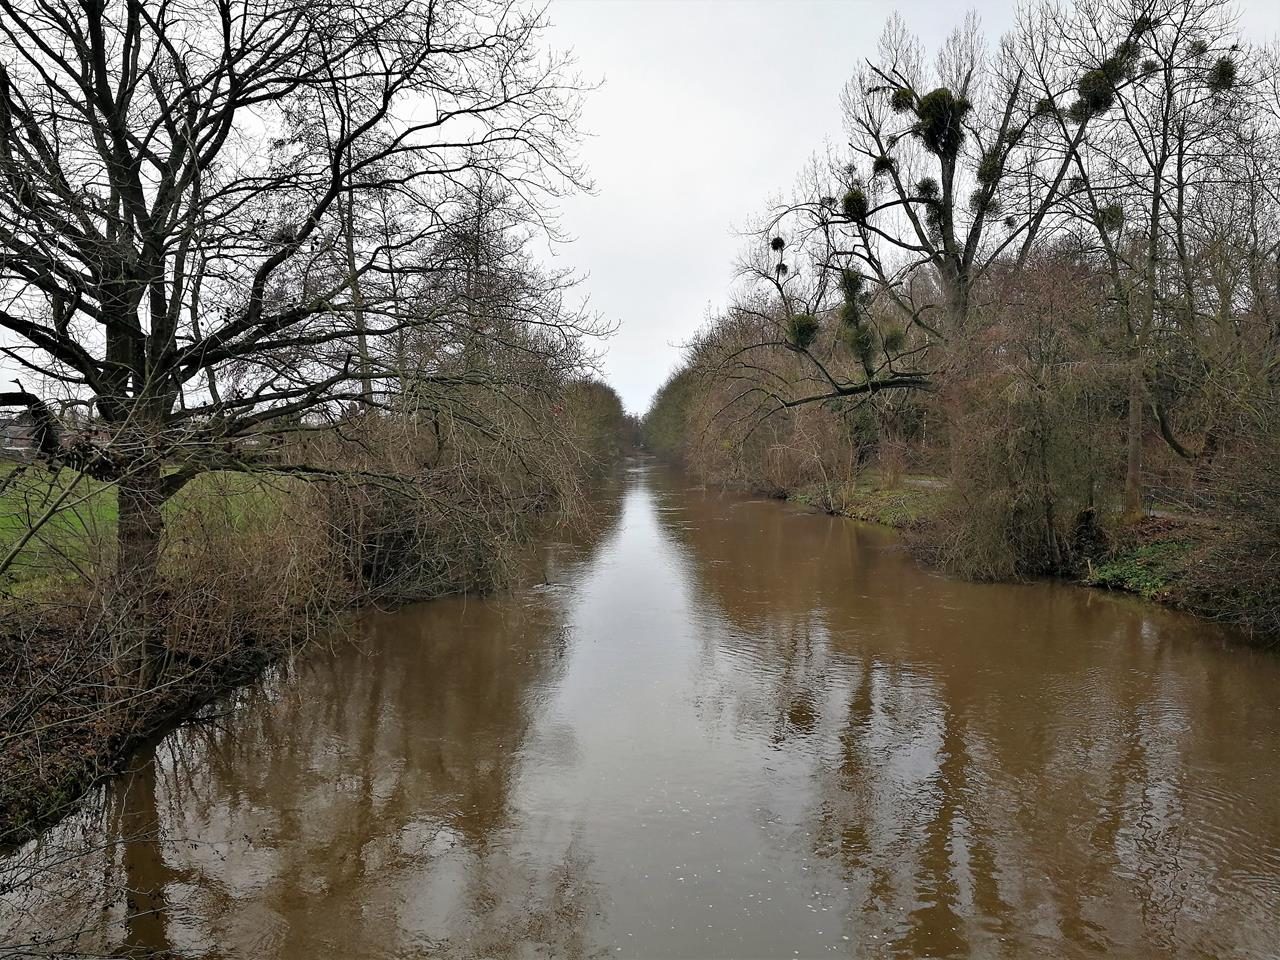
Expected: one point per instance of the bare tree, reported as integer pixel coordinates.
(940, 182)
(184, 236)
(1160, 86)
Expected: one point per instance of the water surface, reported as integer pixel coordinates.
(722, 728)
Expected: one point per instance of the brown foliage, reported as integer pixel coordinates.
(1026, 405)
(1235, 576)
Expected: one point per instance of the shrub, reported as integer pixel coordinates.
(1238, 577)
(1027, 456)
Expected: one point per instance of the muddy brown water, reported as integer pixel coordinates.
(723, 728)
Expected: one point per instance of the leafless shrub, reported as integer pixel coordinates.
(1030, 455)
(1235, 577)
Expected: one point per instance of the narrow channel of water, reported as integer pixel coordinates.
(728, 728)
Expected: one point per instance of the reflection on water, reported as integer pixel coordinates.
(721, 728)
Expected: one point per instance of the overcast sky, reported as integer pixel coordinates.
(708, 108)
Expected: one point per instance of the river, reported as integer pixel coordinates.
(722, 727)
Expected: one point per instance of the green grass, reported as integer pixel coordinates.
(901, 507)
(64, 543)
(1147, 570)
(868, 500)
(74, 538)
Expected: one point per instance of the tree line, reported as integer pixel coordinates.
(271, 290)
(1044, 270)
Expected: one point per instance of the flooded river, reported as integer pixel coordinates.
(723, 728)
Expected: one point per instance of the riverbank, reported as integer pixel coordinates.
(721, 727)
(240, 592)
(246, 575)
(67, 721)
(1157, 558)
(65, 732)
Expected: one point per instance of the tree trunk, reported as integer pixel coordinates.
(1133, 463)
(139, 646)
(955, 298)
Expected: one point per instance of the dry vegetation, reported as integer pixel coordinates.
(285, 346)
(1031, 312)
(253, 567)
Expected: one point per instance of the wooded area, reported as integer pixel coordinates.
(291, 348)
(1044, 277)
(270, 278)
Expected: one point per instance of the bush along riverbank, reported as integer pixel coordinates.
(1164, 557)
(1160, 558)
(988, 481)
(253, 568)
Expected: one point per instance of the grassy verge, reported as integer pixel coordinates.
(1191, 563)
(72, 513)
(74, 539)
(904, 506)
(1150, 561)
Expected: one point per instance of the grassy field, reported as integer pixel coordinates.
(73, 513)
(76, 515)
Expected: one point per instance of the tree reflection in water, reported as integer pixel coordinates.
(730, 728)
(993, 769)
(360, 798)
